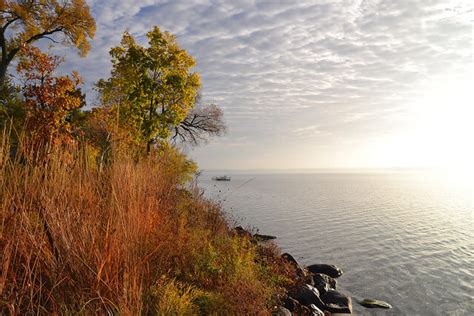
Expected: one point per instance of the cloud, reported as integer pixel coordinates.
(277, 67)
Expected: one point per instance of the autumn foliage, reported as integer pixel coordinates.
(48, 99)
(151, 89)
(128, 238)
(99, 210)
(22, 23)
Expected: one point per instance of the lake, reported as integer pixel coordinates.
(403, 237)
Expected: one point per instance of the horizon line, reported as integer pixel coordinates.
(327, 169)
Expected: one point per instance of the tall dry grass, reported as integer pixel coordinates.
(123, 238)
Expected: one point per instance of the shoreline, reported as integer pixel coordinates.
(315, 286)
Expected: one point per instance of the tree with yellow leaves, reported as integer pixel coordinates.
(151, 88)
(24, 22)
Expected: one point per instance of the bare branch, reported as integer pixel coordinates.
(201, 123)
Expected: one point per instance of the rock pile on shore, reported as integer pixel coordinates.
(316, 291)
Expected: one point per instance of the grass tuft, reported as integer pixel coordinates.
(127, 237)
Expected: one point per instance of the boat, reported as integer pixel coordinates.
(221, 178)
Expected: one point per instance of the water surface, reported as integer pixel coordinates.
(403, 237)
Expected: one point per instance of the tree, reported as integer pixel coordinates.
(11, 110)
(152, 88)
(49, 101)
(24, 22)
(202, 121)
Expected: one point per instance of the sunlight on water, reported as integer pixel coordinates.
(458, 179)
(404, 237)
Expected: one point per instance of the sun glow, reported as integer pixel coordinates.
(438, 132)
(444, 127)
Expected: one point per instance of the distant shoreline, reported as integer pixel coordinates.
(322, 170)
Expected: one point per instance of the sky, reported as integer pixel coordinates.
(316, 84)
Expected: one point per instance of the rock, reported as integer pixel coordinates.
(370, 303)
(308, 279)
(305, 310)
(294, 306)
(239, 230)
(259, 237)
(297, 309)
(315, 311)
(281, 311)
(327, 269)
(323, 283)
(289, 258)
(336, 302)
(299, 270)
(307, 295)
(291, 304)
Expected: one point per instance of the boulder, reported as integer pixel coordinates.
(297, 309)
(308, 279)
(370, 303)
(323, 282)
(259, 237)
(290, 258)
(240, 231)
(281, 311)
(337, 302)
(327, 269)
(315, 311)
(291, 304)
(307, 295)
(305, 310)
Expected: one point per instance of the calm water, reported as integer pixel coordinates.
(406, 238)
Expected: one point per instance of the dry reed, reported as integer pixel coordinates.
(129, 237)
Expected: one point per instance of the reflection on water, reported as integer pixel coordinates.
(406, 238)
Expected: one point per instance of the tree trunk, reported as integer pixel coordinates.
(3, 74)
(4, 63)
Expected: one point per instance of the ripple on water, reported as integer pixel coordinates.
(399, 237)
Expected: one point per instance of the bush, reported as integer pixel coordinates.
(128, 237)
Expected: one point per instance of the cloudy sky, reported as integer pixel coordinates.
(316, 84)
